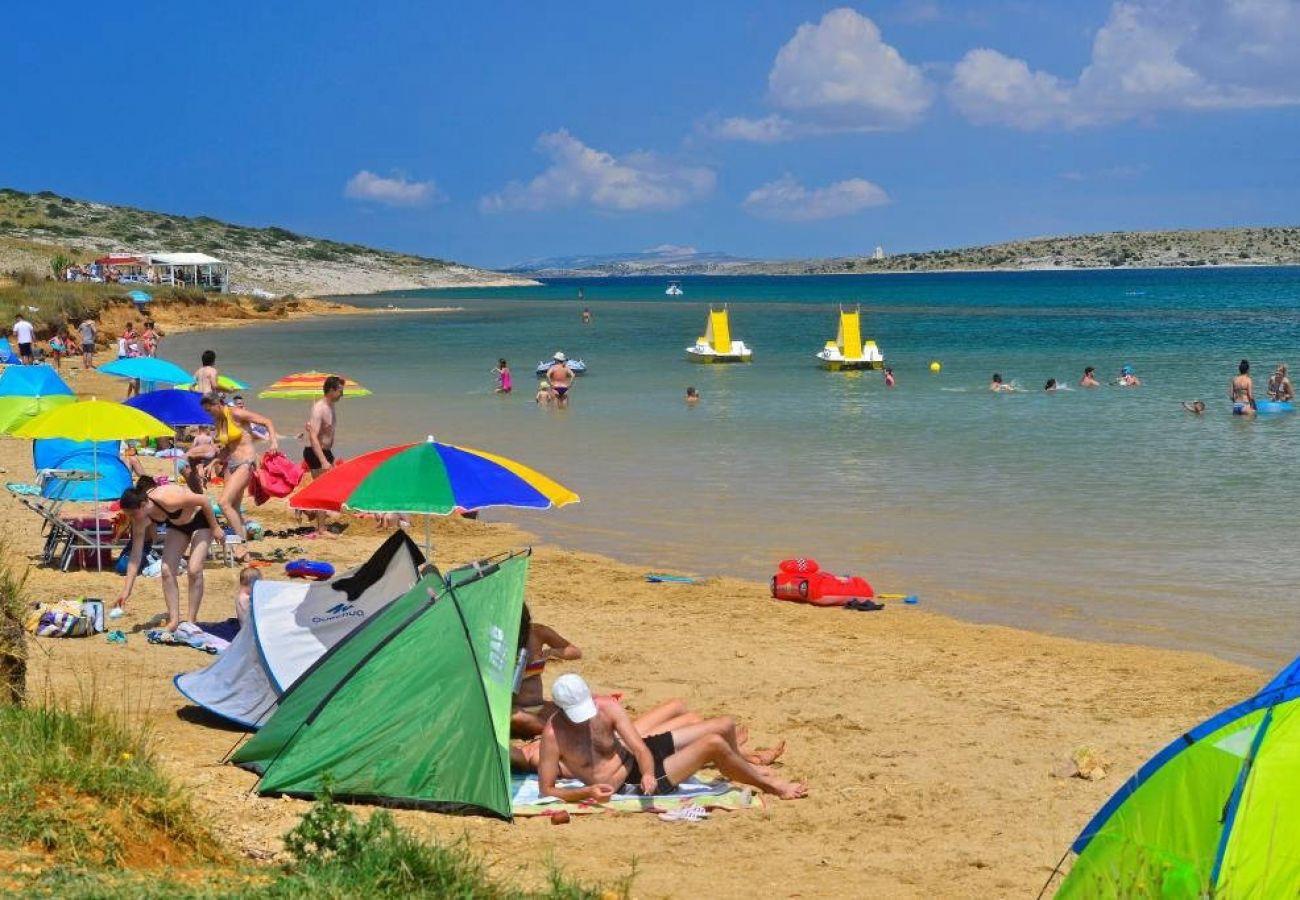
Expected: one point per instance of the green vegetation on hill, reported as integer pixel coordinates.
(49, 218)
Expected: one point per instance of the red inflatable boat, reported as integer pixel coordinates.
(801, 580)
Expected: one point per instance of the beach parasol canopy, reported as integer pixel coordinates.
(308, 386)
(224, 382)
(146, 368)
(174, 407)
(432, 479)
(28, 392)
(139, 296)
(95, 420)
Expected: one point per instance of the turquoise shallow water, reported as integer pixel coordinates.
(1106, 513)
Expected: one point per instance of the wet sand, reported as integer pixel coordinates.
(927, 744)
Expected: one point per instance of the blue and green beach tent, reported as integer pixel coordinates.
(1214, 814)
(30, 391)
(412, 709)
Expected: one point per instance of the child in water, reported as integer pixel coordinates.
(504, 382)
(544, 396)
(1196, 407)
(692, 396)
(889, 377)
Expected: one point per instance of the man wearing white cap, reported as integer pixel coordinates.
(597, 742)
(560, 377)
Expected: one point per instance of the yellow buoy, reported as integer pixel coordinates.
(935, 367)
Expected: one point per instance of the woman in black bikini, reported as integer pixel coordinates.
(190, 525)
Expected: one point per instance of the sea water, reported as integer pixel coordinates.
(1107, 513)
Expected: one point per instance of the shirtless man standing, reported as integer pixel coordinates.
(205, 376)
(597, 741)
(560, 377)
(318, 455)
(1242, 391)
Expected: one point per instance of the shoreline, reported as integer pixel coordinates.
(936, 734)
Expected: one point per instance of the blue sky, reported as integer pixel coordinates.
(496, 132)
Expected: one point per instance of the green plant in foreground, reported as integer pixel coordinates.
(13, 636)
(337, 855)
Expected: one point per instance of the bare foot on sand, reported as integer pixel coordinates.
(790, 790)
(765, 756)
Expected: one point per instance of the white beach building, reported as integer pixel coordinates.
(191, 270)
(879, 254)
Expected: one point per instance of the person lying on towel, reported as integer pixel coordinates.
(669, 716)
(597, 742)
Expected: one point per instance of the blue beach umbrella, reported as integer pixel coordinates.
(29, 391)
(146, 368)
(139, 297)
(99, 458)
(172, 407)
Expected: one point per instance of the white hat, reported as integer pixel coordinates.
(572, 695)
(559, 357)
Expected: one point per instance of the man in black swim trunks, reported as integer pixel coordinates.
(596, 740)
(318, 455)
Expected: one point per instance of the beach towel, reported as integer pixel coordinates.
(526, 799)
(276, 475)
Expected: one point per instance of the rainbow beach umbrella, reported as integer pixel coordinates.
(308, 386)
(432, 479)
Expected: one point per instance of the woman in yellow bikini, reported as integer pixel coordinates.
(236, 459)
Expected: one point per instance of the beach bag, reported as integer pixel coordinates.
(276, 476)
(66, 618)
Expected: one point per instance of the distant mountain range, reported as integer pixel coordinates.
(666, 259)
(1261, 246)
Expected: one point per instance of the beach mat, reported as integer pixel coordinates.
(721, 794)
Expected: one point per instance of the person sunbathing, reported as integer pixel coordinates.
(671, 715)
(597, 742)
(529, 706)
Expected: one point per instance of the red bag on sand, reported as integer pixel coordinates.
(276, 476)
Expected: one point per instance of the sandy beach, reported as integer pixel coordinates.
(928, 745)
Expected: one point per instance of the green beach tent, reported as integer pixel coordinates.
(1214, 814)
(412, 709)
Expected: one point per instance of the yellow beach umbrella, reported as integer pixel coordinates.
(308, 386)
(94, 420)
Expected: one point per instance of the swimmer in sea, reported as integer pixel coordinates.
(1279, 386)
(560, 377)
(889, 377)
(1196, 407)
(1127, 378)
(692, 396)
(1242, 391)
(1050, 387)
(1089, 378)
(998, 385)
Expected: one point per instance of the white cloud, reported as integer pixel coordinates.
(767, 130)
(581, 175)
(788, 200)
(1149, 56)
(398, 191)
(841, 72)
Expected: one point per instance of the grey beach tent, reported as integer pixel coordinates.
(291, 624)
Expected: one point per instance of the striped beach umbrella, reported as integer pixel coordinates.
(432, 479)
(308, 386)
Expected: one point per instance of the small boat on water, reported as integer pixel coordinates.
(576, 366)
(848, 351)
(674, 289)
(716, 345)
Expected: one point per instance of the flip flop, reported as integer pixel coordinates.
(685, 814)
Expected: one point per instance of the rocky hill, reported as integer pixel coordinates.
(34, 227)
(1117, 249)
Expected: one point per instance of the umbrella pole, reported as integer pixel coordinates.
(94, 460)
(428, 538)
